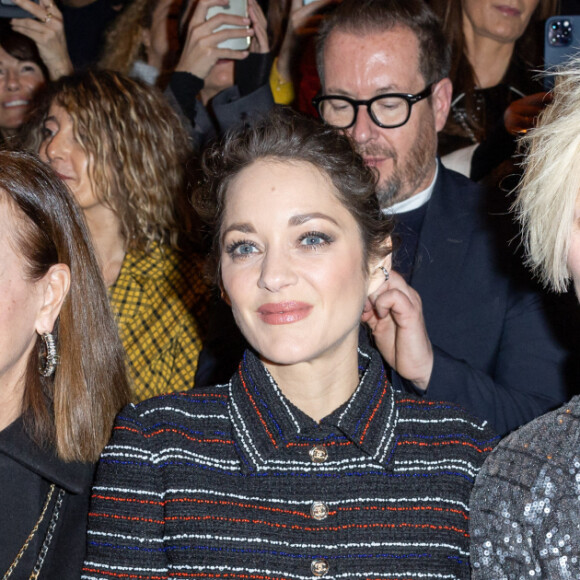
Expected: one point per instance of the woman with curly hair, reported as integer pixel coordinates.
(121, 150)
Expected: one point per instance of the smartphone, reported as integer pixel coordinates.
(561, 41)
(9, 10)
(239, 8)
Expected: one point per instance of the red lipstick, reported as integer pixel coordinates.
(284, 312)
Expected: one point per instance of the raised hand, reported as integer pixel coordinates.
(394, 313)
(200, 52)
(46, 29)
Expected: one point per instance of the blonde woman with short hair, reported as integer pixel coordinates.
(526, 501)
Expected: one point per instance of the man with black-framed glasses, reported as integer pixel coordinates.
(478, 335)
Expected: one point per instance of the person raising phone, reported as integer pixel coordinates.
(216, 87)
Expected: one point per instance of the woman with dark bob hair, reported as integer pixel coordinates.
(62, 372)
(307, 462)
(122, 151)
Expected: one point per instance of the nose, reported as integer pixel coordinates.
(277, 272)
(12, 80)
(53, 147)
(364, 129)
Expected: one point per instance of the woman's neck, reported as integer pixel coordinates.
(109, 243)
(489, 58)
(10, 405)
(319, 387)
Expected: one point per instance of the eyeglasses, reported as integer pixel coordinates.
(387, 111)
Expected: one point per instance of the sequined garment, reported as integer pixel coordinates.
(525, 506)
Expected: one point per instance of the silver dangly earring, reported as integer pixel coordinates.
(48, 357)
(385, 272)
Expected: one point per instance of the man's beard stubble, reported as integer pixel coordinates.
(405, 179)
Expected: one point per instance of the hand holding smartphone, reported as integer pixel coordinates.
(561, 41)
(9, 10)
(236, 8)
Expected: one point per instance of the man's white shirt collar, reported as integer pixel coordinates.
(416, 201)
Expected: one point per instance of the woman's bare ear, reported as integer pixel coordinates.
(55, 285)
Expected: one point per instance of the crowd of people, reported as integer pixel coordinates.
(266, 307)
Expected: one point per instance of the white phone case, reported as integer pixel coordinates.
(239, 8)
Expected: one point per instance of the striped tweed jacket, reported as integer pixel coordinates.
(234, 482)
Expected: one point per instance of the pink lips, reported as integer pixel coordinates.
(284, 312)
(508, 10)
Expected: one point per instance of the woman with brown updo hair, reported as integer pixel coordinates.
(121, 150)
(306, 463)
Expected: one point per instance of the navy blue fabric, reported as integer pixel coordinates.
(497, 351)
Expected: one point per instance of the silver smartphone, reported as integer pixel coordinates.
(561, 41)
(239, 8)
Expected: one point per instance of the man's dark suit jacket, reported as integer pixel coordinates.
(496, 353)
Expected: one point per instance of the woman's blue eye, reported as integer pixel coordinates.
(315, 239)
(244, 249)
(312, 241)
(241, 249)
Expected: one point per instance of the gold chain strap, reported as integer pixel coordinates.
(31, 535)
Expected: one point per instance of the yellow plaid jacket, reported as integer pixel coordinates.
(161, 303)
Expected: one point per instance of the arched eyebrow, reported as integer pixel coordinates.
(295, 220)
(244, 228)
(298, 220)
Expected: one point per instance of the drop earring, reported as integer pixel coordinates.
(48, 356)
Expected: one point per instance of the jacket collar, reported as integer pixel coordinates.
(139, 268)
(266, 423)
(74, 477)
